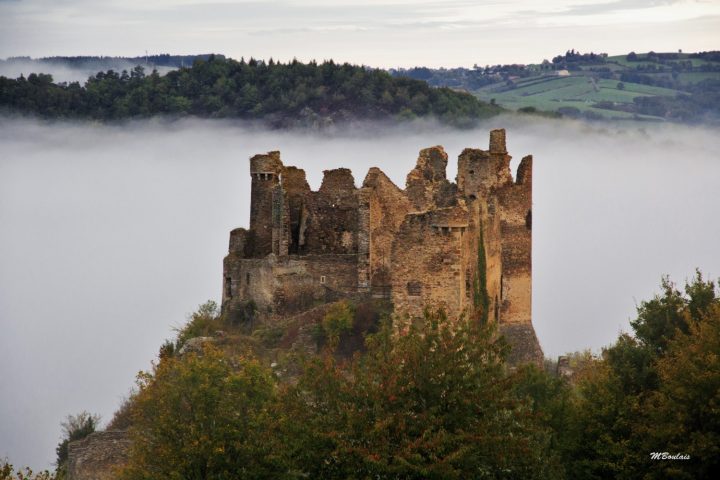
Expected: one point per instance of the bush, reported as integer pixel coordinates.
(75, 427)
(122, 418)
(205, 321)
(243, 314)
(572, 112)
(8, 472)
(337, 321)
(203, 416)
(269, 335)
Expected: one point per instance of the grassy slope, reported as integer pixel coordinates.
(548, 92)
(576, 91)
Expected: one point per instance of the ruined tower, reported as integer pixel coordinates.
(464, 245)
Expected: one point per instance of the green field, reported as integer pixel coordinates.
(623, 61)
(658, 86)
(583, 90)
(694, 77)
(548, 93)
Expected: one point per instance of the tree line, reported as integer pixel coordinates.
(279, 93)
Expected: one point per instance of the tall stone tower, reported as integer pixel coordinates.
(504, 209)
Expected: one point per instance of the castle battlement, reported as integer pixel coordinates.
(424, 244)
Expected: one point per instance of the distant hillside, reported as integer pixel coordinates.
(281, 94)
(102, 62)
(79, 68)
(652, 86)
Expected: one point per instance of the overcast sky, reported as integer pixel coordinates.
(383, 33)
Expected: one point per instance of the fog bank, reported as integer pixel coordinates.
(111, 235)
(66, 72)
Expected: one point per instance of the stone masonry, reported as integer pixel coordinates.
(416, 247)
(98, 456)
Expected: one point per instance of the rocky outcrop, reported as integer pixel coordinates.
(195, 344)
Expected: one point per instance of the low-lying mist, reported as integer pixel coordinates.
(66, 72)
(111, 235)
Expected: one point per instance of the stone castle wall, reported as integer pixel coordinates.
(98, 456)
(386, 208)
(332, 221)
(287, 285)
(429, 260)
(516, 234)
(418, 246)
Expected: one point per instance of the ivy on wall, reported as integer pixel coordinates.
(481, 299)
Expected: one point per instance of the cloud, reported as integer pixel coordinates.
(615, 6)
(374, 32)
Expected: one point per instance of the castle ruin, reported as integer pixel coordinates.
(465, 246)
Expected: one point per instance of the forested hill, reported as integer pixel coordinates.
(282, 94)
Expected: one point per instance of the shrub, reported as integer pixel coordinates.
(122, 418)
(8, 472)
(203, 322)
(203, 416)
(338, 320)
(75, 427)
(269, 335)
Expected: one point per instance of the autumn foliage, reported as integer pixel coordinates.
(439, 402)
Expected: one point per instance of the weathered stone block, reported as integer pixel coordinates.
(98, 456)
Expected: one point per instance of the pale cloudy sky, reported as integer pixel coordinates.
(384, 33)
